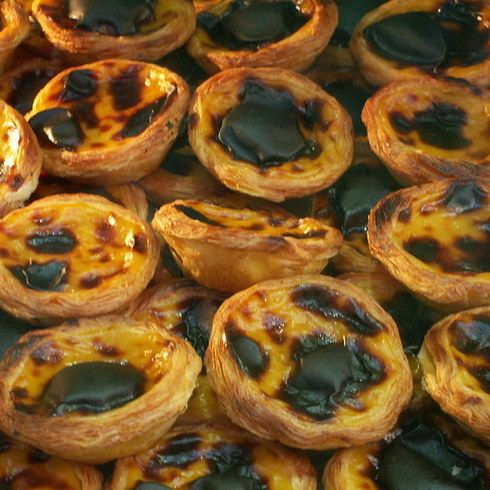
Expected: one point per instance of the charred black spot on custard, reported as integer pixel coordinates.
(473, 337)
(274, 326)
(52, 241)
(78, 85)
(426, 249)
(464, 197)
(248, 354)
(250, 131)
(47, 276)
(142, 119)
(90, 281)
(111, 17)
(353, 196)
(439, 125)
(12, 330)
(126, 88)
(412, 317)
(251, 24)
(89, 388)
(328, 375)
(422, 456)
(57, 127)
(332, 305)
(26, 87)
(46, 354)
(194, 214)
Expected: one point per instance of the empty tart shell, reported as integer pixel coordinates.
(85, 32)
(434, 239)
(20, 159)
(230, 249)
(234, 133)
(310, 361)
(97, 123)
(222, 456)
(22, 467)
(97, 389)
(424, 451)
(427, 129)
(405, 39)
(306, 30)
(14, 28)
(73, 255)
(456, 364)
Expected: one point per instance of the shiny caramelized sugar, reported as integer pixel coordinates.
(311, 365)
(456, 362)
(404, 39)
(420, 453)
(428, 129)
(435, 239)
(217, 457)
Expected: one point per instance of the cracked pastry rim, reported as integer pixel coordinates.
(82, 46)
(252, 402)
(255, 245)
(20, 159)
(448, 290)
(91, 296)
(279, 467)
(381, 71)
(331, 131)
(414, 160)
(295, 52)
(164, 360)
(119, 153)
(34, 468)
(14, 28)
(451, 368)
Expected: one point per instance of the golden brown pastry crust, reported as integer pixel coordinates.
(23, 467)
(381, 71)
(407, 153)
(14, 28)
(443, 224)
(175, 22)
(271, 314)
(106, 156)
(332, 131)
(112, 261)
(454, 361)
(20, 159)
(278, 467)
(295, 52)
(230, 249)
(169, 364)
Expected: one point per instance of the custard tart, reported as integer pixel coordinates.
(434, 239)
(234, 132)
(108, 122)
(455, 359)
(71, 256)
(423, 453)
(14, 28)
(283, 33)
(427, 129)
(25, 468)
(405, 39)
(90, 30)
(206, 457)
(231, 249)
(20, 159)
(96, 389)
(310, 361)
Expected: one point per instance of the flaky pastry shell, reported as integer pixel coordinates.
(169, 367)
(295, 52)
(124, 116)
(321, 119)
(454, 362)
(434, 239)
(73, 255)
(260, 343)
(230, 249)
(427, 129)
(173, 24)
